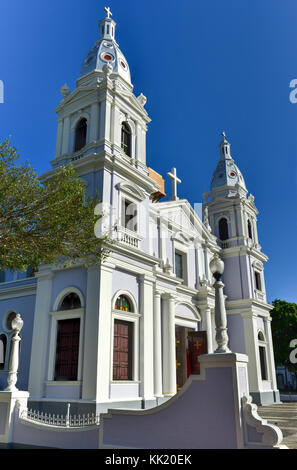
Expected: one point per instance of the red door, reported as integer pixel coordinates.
(122, 350)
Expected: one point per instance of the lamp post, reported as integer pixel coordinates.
(17, 325)
(217, 268)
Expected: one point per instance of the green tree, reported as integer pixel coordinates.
(44, 221)
(284, 329)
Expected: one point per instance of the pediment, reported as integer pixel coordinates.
(131, 189)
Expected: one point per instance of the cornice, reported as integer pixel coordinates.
(18, 291)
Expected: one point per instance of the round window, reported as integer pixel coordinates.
(232, 174)
(123, 64)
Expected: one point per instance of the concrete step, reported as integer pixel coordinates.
(284, 416)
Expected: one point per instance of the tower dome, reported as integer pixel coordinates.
(227, 172)
(106, 51)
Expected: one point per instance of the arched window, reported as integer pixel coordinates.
(223, 229)
(3, 342)
(80, 135)
(250, 233)
(261, 336)
(126, 139)
(123, 303)
(262, 355)
(71, 301)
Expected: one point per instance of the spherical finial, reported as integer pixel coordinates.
(17, 323)
(216, 266)
(65, 90)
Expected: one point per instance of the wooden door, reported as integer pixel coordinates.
(197, 345)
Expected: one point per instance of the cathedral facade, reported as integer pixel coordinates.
(129, 331)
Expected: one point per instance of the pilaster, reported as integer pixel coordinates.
(38, 364)
(157, 345)
(169, 352)
(146, 337)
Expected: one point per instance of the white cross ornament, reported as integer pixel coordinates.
(175, 180)
(108, 12)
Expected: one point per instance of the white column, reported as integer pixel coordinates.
(206, 262)
(157, 345)
(105, 116)
(169, 352)
(66, 135)
(94, 122)
(97, 344)
(104, 333)
(208, 327)
(252, 350)
(163, 254)
(146, 337)
(39, 351)
(138, 155)
(270, 354)
(59, 137)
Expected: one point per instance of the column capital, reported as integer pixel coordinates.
(145, 278)
(169, 296)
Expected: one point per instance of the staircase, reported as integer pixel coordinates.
(284, 416)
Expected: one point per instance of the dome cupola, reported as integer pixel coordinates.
(226, 172)
(106, 51)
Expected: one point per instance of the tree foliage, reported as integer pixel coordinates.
(284, 329)
(44, 221)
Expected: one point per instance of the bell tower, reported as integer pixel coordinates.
(233, 219)
(102, 129)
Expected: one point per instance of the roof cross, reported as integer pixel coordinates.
(108, 12)
(175, 180)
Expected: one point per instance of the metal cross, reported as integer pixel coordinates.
(175, 180)
(108, 12)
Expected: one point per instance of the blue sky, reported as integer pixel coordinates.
(204, 66)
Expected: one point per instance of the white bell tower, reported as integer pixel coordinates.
(233, 220)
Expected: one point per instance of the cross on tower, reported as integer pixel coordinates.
(175, 180)
(108, 12)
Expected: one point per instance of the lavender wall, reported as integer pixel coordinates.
(201, 416)
(25, 306)
(70, 277)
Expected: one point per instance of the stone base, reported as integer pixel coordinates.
(269, 397)
(8, 402)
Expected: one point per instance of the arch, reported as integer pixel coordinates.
(3, 345)
(70, 302)
(131, 189)
(126, 138)
(64, 293)
(190, 307)
(223, 229)
(130, 298)
(80, 135)
(261, 336)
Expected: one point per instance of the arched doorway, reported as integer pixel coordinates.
(190, 343)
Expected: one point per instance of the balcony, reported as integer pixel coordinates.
(128, 237)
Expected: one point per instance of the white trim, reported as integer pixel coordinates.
(127, 294)
(55, 317)
(63, 293)
(190, 307)
(132, 317)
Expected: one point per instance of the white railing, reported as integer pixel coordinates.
(128, 237)
(260, 295)
(68, 421)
